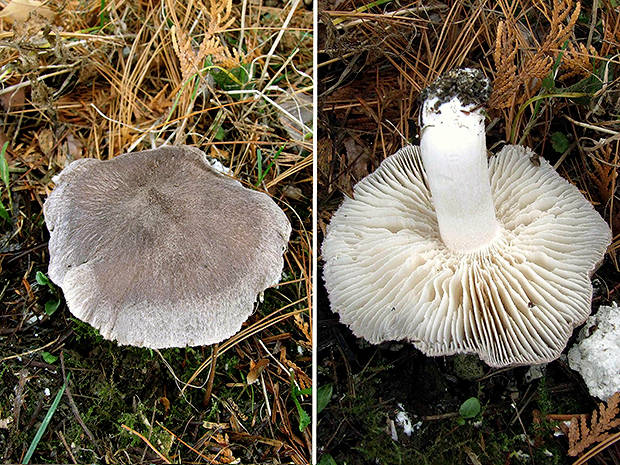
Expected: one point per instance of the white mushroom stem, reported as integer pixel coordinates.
(453, 150)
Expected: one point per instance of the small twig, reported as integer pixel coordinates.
(564, 155)
(276, 42)
(207, 397)
(10, 357)
(244, 7)
(527, 439)
(592, 23)
(64, 442)
(262, 379)
(13, 88)
(148, 443)
(472, 456)
(19, 396)
(21, 253)
(74, 408)
(278, 362)
(183, 442)
(441, 416)
(591, 126)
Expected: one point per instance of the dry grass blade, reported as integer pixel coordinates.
(147, 442)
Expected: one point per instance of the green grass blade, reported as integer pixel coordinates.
(259, 166)
(46, 421)
(3, 213)
(261, 174)
(4, 166)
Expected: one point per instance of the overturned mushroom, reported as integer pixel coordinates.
(459, 255)
(157, 249)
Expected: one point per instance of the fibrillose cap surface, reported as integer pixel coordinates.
(157, 249)
(515, 302)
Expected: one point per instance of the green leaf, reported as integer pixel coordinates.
(470, 408)
(42, 279)
(304, 418)
(220, 134)
(548, 82)
(49, 358)
(51, 306)
(327, 460)
(233, 79)
(559, 142)
(323, 396)
(3, 213)
(4, 166)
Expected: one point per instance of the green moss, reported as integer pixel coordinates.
(492, 439)
(468, 367)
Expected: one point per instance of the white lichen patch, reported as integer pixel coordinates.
(596, 356)
(403, 420)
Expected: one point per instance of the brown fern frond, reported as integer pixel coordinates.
(190, 58)
(515, 83)
(304, 327)
(611, 31)
(576, 61)
(601, 165)
(191, 55)
(506, 83)
(602, 422)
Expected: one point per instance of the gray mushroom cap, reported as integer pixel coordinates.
(157, 249)
(514, 302)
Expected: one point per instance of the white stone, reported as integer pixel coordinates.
(596, 356)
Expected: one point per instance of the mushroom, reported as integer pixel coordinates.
(157, 249)
(458, 254)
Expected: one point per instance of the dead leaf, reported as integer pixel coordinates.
(46, 141)
(14, 99)
(166, 403)
(72, 147)
(20, 10)
(218, 154)
(161, 102)
(297, 112)
(256, 369)
(212, 425)
(292, 192)
(358, 159)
